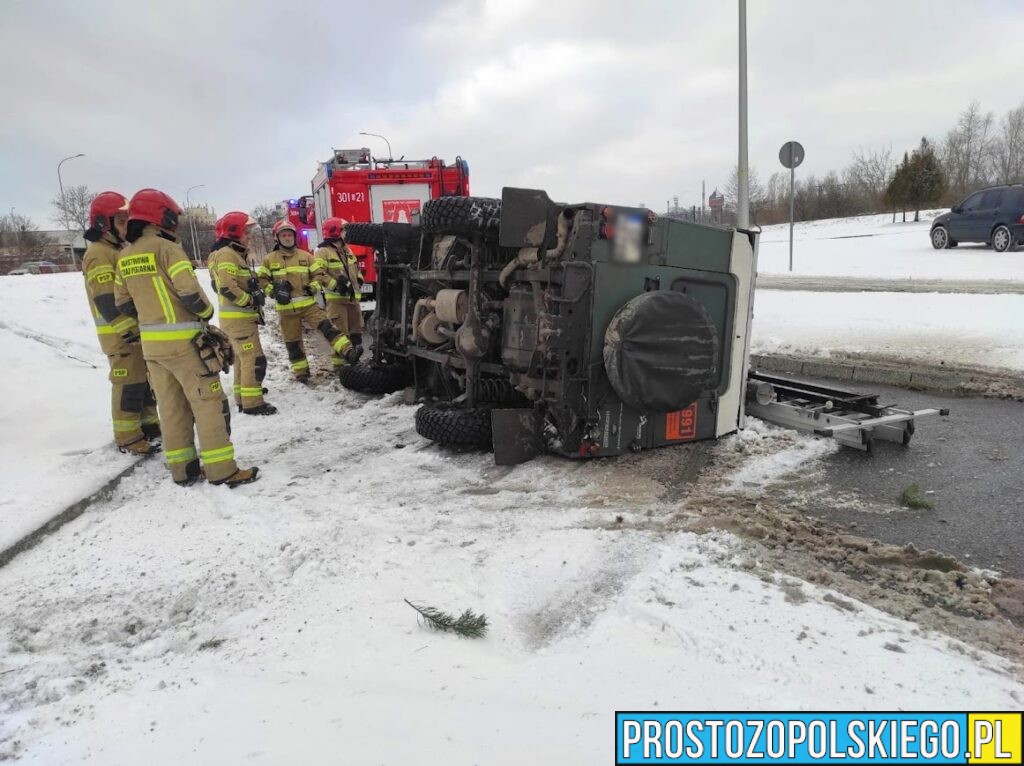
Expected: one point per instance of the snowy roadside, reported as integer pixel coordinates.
(874, 246)
(933, 328)
(54, 402)
(207, 625)
(268, 623)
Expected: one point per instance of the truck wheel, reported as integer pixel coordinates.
(451, 425)
(365, 234)
(462, 215)
(373, 379)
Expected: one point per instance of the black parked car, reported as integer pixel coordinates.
(994, 216)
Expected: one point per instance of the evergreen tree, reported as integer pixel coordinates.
(927, 180)
(897, 193)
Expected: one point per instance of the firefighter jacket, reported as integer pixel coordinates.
(230, 273)
(304, 274)
(154, 282)
(98, 269)
(345, 280)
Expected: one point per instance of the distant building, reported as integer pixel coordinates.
(202, 215)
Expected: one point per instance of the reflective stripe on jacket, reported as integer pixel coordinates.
(306, 274)
(155, 280)
(230, 273)
(99, 272)
(340, 262)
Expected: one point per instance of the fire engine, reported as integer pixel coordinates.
(299, 211)
(362, 189)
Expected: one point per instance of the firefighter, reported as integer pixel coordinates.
(293, 277)
(136, 425)
(155, 283)
(343, 290)
(239, 310)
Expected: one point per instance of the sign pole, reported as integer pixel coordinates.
(792, 174)
(790, 155)
(742, 172)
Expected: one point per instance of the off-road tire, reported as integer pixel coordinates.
(398, 241)
(462, 215)
(374, 379)
(454, 426)
(365, 234)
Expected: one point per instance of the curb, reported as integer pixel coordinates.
(72, 512)
(916, 376)
(824, 284)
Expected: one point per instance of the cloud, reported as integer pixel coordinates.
(593, 100)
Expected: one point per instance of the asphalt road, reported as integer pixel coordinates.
(970, 463)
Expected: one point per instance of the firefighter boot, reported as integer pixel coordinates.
(260, 409)
(352, 353)
(141, 447)
(151, 431)
(240, 477)
(193, 473)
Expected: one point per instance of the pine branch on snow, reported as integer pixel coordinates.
(468, 624)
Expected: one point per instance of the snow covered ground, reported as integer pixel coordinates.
(54, 402)
(268, 623)
(872, 245)
(986, 330)
(952, 328)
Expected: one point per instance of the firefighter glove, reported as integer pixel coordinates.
(283, 292)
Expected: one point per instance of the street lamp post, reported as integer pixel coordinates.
(391, 156)
(64, 205)
(743, 174)
(192, 224)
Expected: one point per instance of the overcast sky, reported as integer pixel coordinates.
(620, 102)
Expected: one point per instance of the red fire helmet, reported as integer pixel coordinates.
(283, 225)
(334, 228)
(232, 225)
(104, 207)
(155, 207)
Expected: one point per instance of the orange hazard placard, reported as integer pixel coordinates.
(400, 210)
(681, 424)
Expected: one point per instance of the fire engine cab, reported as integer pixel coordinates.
(299, 211)
(362, 189)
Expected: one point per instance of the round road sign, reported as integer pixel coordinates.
(791, 154)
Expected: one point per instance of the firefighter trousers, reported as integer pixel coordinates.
(314, 318)
(131, 399)
(190, 400)
(347, 316)
(250, 362)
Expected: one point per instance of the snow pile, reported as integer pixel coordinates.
(774, 453)
(872, 245)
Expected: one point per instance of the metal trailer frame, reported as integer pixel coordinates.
(852, 418)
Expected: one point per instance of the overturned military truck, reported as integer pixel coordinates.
(585, 330)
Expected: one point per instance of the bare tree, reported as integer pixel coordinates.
(1008, 148)
(73, 210)
(266, 216)
(869, 174)
(756, 188)
(19, 236)
(967, 150)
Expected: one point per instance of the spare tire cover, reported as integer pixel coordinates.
(661, 351)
